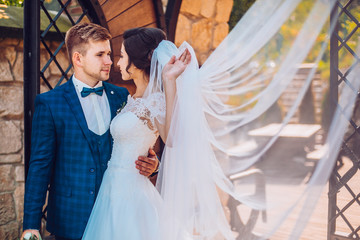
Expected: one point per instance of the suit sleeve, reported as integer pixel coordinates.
(43, 142)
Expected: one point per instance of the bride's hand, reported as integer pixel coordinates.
(175, 67)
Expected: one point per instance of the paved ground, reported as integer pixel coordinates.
(317, 227)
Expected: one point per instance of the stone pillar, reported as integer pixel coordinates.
(11, 132)
(203, 24)
(12, 128)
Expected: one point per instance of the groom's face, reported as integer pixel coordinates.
(96, 62)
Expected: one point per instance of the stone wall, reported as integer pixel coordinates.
(203, 24)
(11, 133)
(12, 129)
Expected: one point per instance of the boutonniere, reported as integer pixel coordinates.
(121, 108)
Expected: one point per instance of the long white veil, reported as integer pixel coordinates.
(234, 148)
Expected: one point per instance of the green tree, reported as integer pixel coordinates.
(239, 9)
(289, 31)
(17, 3)
(49, 4)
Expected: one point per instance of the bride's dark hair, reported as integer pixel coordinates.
(139, 44)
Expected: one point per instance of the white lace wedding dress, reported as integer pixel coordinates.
(212, 150)
(128, 204)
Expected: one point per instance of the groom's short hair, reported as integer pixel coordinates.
(80, 34)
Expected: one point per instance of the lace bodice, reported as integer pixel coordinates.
(134, 130)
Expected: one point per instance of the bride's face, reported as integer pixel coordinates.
(123, 63)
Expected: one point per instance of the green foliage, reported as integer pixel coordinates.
(275, 50)
(238, 10)
(290, 30)
(13, 17)
(17, 3)
(49, 4)
(52, 5)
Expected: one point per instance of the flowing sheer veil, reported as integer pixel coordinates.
(232, 149)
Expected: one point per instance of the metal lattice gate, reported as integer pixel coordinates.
(344, 184)
(56, 17)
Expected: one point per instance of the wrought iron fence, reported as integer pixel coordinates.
(344, 191)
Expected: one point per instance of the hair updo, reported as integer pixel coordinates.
(140, 44)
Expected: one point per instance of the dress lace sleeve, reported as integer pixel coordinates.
(148, 109)
(157, 107)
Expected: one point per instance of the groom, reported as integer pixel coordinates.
(71, 142)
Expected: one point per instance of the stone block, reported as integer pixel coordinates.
(19, 173)
(17, 123)
(63, 61)
(10, 41)
(18, 68)
(192, 7)
(12, 137)
(203, 56)
(47, 43)
(10, 158)
(76, 11)
(7, 208)
(19, 201)
(183, 30)
(223, 10)
(10, 54)
(201, 35)
(73, 4)
(44, 56)
(71, 72)
(10, 231)
(220, 32)
(53, 80)
(5, 70)
(7, 179)
(22, 156)
(208, 8)
(11, 101)
(21, 125)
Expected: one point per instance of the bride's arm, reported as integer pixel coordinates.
(171, 71)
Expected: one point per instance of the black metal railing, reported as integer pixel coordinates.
(344, 194)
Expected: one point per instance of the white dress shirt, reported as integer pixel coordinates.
(96, 108)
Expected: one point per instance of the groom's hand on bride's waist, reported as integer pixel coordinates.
(147, 165)
(30, 232)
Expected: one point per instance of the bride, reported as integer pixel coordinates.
(225, 139)
(128, 204)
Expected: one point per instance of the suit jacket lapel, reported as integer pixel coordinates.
(75, 105)
(111, 98)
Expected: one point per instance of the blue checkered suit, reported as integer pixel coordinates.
(61, 156)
